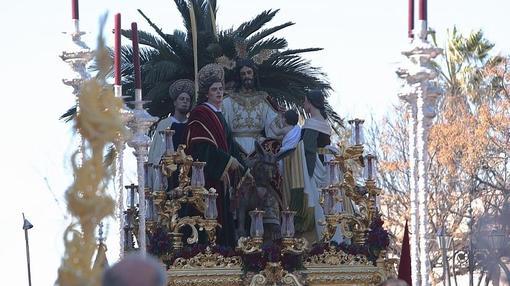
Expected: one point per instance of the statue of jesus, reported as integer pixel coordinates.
(248, 111)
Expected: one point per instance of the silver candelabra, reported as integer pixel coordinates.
(420, 92)
(140, 124)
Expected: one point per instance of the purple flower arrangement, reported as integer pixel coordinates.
(159, 242)
(377, 240)
(256, 262)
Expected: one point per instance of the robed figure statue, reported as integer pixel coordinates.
(181, 92)
(305, 169)
(209, 139)
(248, 110)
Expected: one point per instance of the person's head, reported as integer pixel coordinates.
(246, 72)
(182, 103)
(393, 282)
(215, 94)
(211, 84)
(291, 117)
(315, 99)
(181, 92)
(135, 270)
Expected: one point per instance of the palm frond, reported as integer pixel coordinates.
(265, 33)
(272, 43)
(182, 6)
(247, 28)
(299, 51)
(158, 30)
(288, 78)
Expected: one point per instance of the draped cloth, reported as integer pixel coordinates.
(158, 146)
(308, 173)
(208, 139)
(291, 165)
(205, 127)
(291, 139)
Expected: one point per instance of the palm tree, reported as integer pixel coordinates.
(463, 72)
(166, 57)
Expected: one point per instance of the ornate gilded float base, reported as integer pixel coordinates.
(331, 267)
(343, 276)
(313, 276)
(207, 277)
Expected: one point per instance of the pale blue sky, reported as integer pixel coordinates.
(362, 43)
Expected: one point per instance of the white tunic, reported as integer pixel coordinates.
(248, 114)
(158, 147)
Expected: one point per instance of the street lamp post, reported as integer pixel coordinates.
(444, 240)
(26, 226)
(470, 249)
(496, 240)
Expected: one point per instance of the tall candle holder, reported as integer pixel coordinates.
(290, 243)
(167, 135)
(257, 224)
(335, 173)
(129, 217)
(78, 57)
(343, 189)
(158, 178)
(253, 243)
(211, 215)
(357, 135)
(369, 170)
(127, 228)
(197, 176)
(120, 146)
(141, 123)
(166, 205)
(150, 212)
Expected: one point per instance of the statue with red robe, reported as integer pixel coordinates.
(209, 139)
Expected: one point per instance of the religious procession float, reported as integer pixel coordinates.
(246, 175)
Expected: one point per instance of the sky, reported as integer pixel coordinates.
(362, 42)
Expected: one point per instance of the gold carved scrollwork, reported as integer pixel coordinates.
(344, 278)
(294, 245)
(208, 259)
(336, 257)
(249, 245)
(274, 274)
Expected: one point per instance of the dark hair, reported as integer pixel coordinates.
(317, 99)
(291, 117)
(240, 63)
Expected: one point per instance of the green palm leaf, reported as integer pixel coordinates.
(250, 27)
(265, 33)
